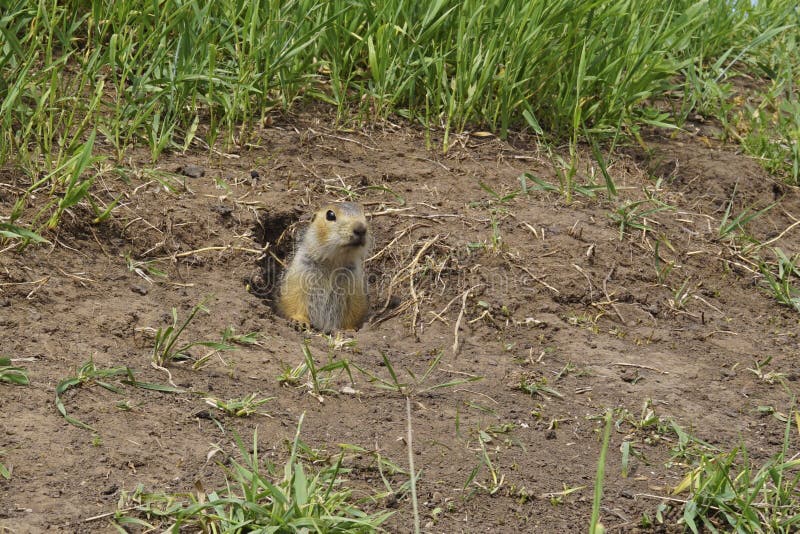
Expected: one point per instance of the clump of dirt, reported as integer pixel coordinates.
(513, 320)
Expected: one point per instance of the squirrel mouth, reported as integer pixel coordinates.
(357, 241)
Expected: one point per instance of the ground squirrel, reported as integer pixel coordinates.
(325, 286)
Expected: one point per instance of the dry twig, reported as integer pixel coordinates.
(623, 364)
(461, 316)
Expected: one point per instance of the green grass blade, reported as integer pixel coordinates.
(594, 525)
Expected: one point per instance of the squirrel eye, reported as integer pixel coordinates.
(330, 216)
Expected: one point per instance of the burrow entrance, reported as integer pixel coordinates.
(275, 230)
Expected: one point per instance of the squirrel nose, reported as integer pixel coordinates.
(360, 230)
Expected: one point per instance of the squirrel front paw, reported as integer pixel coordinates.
(301, 327)
(300, 324)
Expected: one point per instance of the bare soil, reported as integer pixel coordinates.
(536, 291)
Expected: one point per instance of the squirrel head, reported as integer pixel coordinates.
(338, 234)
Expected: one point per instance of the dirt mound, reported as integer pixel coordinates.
(558, 315)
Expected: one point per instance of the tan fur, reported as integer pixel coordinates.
(325, 285)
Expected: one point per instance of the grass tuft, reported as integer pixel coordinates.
(88, 374)
(730, 492)
(239, 407)
(782, 278)
(12, 374)
(258, 499)
(166, 348)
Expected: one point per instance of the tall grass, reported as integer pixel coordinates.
(165, 73)
(156, 71)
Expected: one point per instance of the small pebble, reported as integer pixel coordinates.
(225, 211)
(140, 289)
(192, 171)
(629, 376)
(254, 175)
